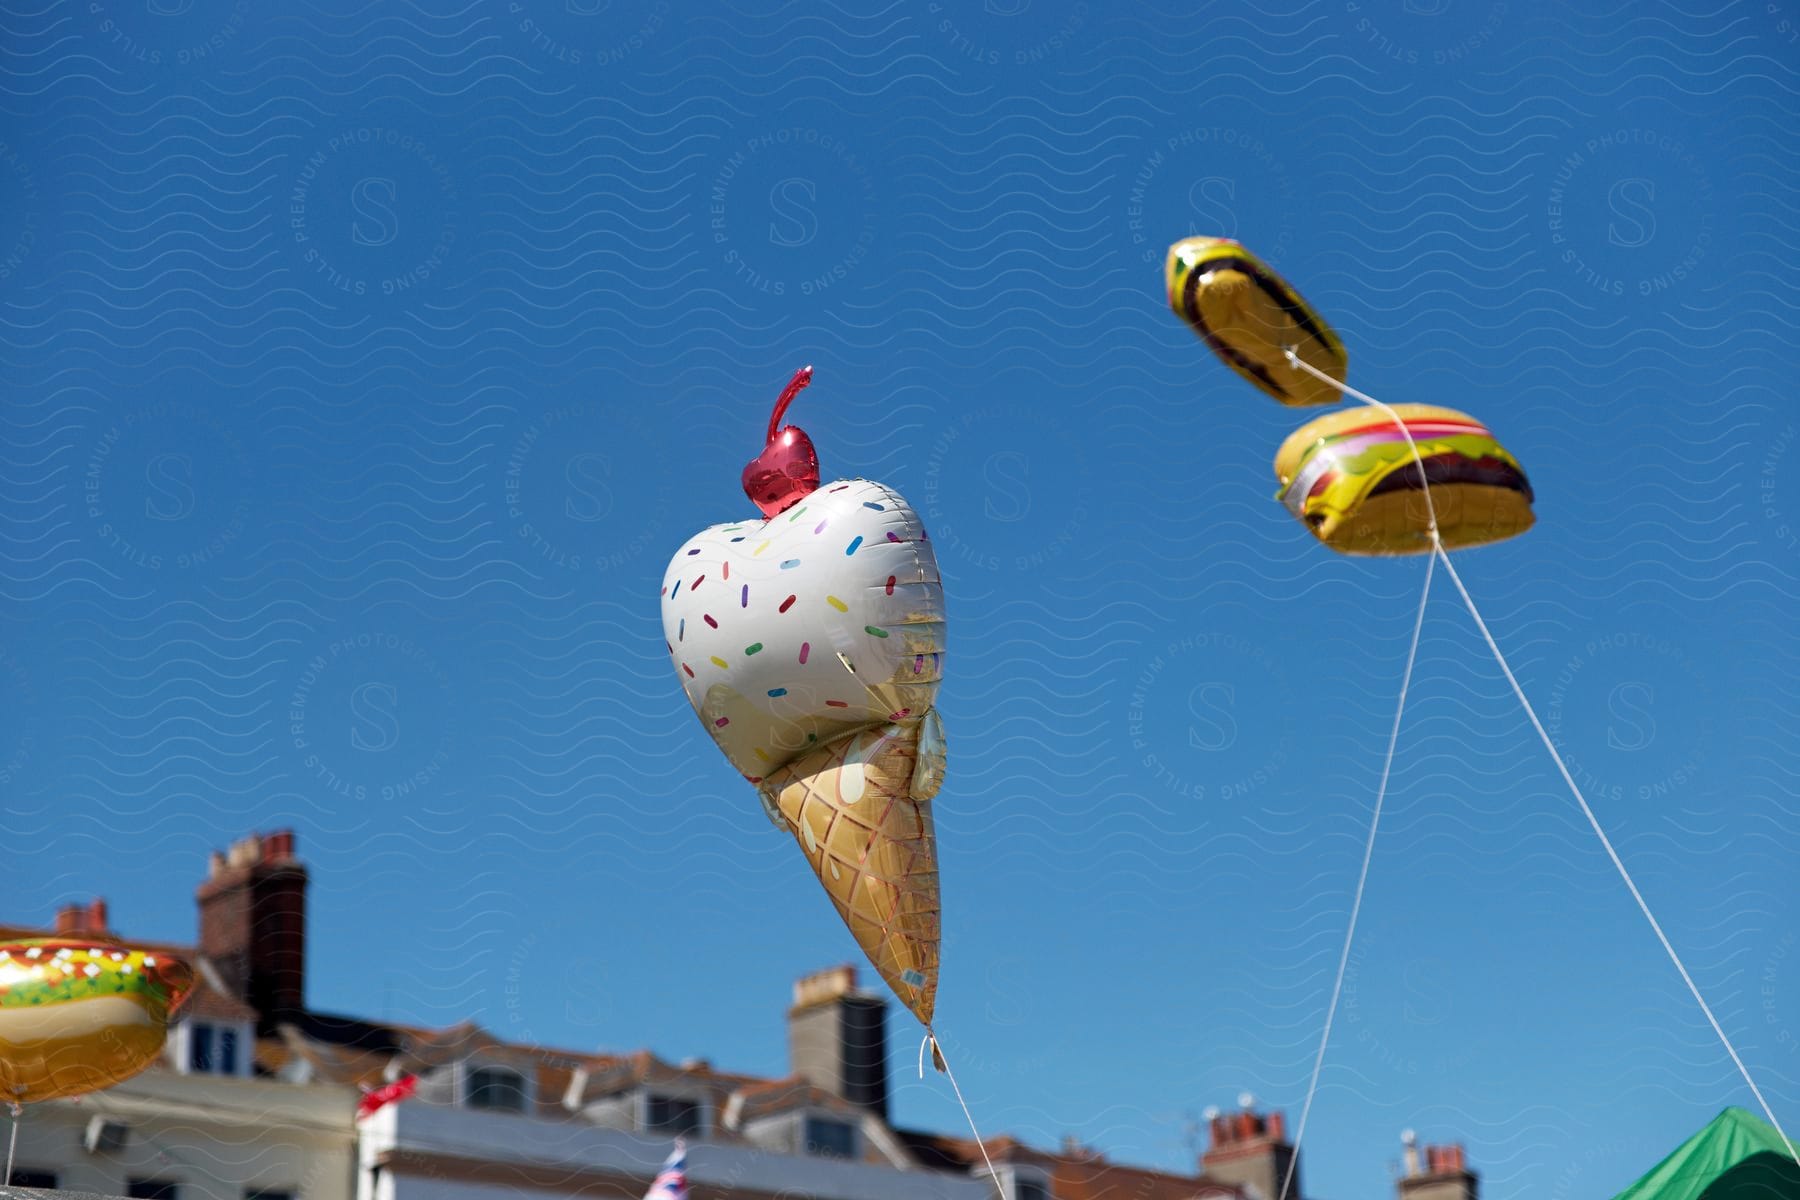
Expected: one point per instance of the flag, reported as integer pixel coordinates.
(392, 1093)
(671, 1182)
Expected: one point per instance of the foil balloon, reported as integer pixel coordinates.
(788, 468)
(1352, 479)
(79, 1016)
(810, 642)
(1249, 315)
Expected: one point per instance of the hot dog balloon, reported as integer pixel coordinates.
(1249, 315)
(79, 1016)
(810, 642)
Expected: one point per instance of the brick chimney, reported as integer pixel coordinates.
(837, 1038)
(1251, 1151)
(1443, 1175)
(82, 918)
(253, 924)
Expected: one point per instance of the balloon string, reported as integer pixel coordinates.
(1430, 508)
(1362, 880)
(937, 1050)
(12, 1145)
(1438, 552)
(1606, 842)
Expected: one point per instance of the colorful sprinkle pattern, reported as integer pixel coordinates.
(857, 578)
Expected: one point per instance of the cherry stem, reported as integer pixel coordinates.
(801, 378)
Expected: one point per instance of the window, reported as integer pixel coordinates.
(671, 1116)
(1030, 1189)
(495, 1088)
(212, 1049)
(832, 1139)
(26, 1177)
(200, 1049)
(153, 1189)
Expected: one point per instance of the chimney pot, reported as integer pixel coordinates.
(1250, 1151)
(1446, 1175)
(825, 985)
(82, 918)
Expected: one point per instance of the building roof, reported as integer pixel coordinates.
(211, 998)
(1075, 1172)
(365, 1054)
(770, 1097)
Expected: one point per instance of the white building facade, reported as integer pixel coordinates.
(433, 1152)
(190, 1136)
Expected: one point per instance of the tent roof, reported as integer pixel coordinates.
(1738, 1156)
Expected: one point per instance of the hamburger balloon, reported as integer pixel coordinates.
(1351, 478)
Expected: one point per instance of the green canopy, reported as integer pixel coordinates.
(1737, 1157)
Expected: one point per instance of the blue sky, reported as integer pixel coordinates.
(365, 366)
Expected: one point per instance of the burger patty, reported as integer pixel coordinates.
(1456, 468)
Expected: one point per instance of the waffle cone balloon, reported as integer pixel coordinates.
(860, 809)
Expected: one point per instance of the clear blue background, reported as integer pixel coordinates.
(364, 364)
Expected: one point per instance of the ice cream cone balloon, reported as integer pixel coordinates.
(810, 642)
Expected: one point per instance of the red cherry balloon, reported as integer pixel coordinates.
(787, 471)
